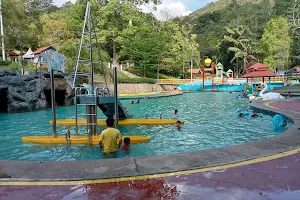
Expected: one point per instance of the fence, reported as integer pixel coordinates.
(230, 81)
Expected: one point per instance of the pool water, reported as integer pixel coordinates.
(210, 122)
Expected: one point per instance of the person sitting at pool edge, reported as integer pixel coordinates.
(241, 115)
(110, 137)
(126, 144)
(289, 95)
(178, 125)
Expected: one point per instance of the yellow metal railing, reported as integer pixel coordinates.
(230, 81)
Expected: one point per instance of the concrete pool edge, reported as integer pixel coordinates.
(115, 169)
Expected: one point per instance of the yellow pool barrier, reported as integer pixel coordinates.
(76, 140)
(102, 122)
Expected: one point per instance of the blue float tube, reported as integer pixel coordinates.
(239, 111)
(278, 121)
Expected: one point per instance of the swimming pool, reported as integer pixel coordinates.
(210, 122)
(197, 86)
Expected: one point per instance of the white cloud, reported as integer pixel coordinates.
(168, 9)
(61, 2)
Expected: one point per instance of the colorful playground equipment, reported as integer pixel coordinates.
(208, 66)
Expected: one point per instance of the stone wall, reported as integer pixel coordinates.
(24, 92)
(141, 88)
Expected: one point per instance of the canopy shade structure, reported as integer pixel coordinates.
(257, 74)
(28, 54)
(259, 66)
(259, 70)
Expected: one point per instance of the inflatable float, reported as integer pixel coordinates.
(102, 122)
(76, 140)
(239, 111)
(279, 121)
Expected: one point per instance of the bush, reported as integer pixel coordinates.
(148, 74)
(13, 66)
(5, 63)
(136, 80)
(295, 78)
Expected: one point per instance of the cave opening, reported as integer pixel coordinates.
(3, 100)
(60, 96)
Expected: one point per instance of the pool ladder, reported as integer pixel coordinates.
(91, 112)
(91, 109)
(69, 139)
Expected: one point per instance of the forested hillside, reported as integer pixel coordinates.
(229, 31)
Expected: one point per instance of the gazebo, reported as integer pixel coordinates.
(259, 70)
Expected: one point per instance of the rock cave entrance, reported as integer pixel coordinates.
(3, 100)
(60, 96)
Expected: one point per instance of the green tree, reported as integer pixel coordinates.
(241, 47)
(276, 42)
(145, 47)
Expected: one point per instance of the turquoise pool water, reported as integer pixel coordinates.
(211, 122)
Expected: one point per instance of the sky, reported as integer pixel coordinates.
(173, 8)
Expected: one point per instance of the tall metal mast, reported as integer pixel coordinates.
(2, 33)
(86, 35)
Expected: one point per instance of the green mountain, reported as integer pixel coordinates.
(221, 4)
(212, 21)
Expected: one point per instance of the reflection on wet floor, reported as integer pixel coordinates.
(272, 180)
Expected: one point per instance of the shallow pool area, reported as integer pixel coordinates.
(210, 122)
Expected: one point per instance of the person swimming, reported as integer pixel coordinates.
(138, 101)
(241, 115)
(126, 144)
(254, 115)
(176, 112)
(178, 125)
(132, 102)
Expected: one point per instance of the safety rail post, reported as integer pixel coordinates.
(116, 97)
(53, 102)
(89, 137)
(76, 110)
(203, 76)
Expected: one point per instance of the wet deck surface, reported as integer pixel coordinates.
(277, 179)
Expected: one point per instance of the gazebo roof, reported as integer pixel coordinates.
(260, 73)
(229, 71)
(258, 66)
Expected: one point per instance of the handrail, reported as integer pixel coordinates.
(231, 80)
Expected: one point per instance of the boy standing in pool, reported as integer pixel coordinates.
(110, 137)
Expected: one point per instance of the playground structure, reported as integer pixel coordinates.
(208, 66)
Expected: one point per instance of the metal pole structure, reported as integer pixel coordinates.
(213, 76)
(91, 45)
(53, 103)
(2, 33)
(116, 97)
(203, 75)
(81, 42)
(191, 70)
